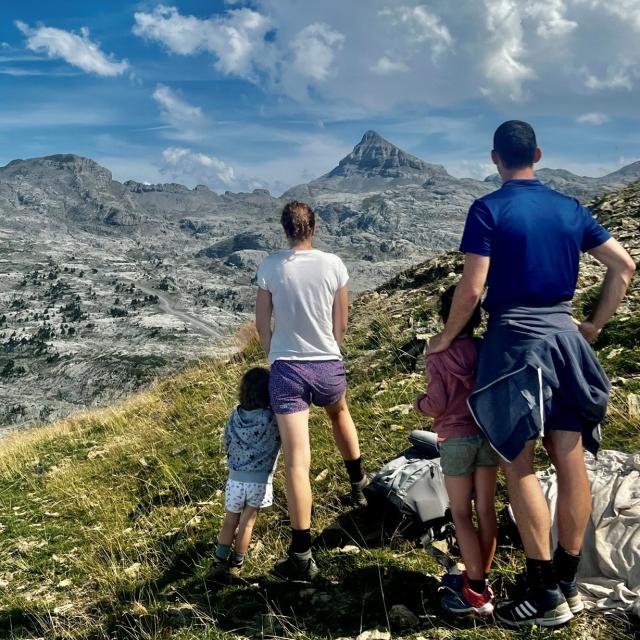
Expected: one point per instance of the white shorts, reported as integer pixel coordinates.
(238, 494)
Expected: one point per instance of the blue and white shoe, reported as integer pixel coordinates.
(468, 602)
(548, 609)
(452, 581)
(572, 595)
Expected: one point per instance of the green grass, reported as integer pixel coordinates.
(109, 519)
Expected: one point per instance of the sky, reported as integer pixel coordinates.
(240, 95)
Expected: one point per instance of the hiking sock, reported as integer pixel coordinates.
(300, 540)
(223, 551)
(237, 559)
(566, 564)
(541, 575)
(477, 585)
(355, 470)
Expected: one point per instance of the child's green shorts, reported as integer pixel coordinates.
(461, 456)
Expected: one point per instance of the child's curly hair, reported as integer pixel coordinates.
(254, 389)
(446, 300)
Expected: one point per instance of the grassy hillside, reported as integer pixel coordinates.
(108, 520)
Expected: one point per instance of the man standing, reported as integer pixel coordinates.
(537, 375)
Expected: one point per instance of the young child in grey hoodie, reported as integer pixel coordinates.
(252, 443)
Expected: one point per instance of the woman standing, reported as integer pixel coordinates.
(305, 290)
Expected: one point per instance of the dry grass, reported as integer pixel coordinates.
(109, 518)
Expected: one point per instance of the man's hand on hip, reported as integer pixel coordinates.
(588, 330)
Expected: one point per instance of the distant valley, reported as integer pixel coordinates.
(106, 285)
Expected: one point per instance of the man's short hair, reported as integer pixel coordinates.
(515, 142)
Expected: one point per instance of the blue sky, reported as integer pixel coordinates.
(270, 93)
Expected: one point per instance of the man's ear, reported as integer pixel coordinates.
(537, 155)
(495, 158)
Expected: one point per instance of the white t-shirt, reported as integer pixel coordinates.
(303, 285)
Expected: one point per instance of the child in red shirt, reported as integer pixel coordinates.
(469, 464)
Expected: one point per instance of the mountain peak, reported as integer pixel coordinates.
(376, 157)
(373, 137)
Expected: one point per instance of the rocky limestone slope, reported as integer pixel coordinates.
(106, 285)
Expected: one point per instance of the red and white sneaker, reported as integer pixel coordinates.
(468, 601)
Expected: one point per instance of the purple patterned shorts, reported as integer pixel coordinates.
(296, 384)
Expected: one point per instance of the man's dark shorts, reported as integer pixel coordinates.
(296, 384)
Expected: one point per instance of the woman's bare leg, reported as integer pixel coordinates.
(344, 430)
(294, 433)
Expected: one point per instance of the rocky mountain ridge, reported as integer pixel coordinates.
(582, 187)
(106, 285)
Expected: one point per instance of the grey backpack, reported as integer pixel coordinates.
(408, 493)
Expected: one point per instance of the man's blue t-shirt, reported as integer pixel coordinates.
(534, 236)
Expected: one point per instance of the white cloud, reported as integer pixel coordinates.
(414, 52)
(504, 70)
(551, 18)
(78, 50)
(235, 38)
(386, 66)
(627, 10)
(314, 51)
(186, 119)
(615, 77)
(595, 118)
(423, 26)
(186, 165)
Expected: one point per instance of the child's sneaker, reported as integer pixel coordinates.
(572, 595)
(219, 569)
(452, 581)
(455, 581)
(468, 601)
(235, 568)
(297, 567)
(548, 609)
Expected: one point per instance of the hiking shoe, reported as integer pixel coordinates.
(468, 601)
(549, 609)
(297, 567)
(235, 568)
(219, 569)
(452, 581)
(571, 595)
(455, 581)
(355, 497)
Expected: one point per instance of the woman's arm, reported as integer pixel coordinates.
(264, 309)
(340, 314)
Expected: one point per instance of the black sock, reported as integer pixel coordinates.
(477, 585)
(300, 540)
(355, 470)
(566, 564)
(541, 575)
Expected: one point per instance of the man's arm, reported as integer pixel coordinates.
(264, 309)
(620, 270)
(340, 314)
(465, 299)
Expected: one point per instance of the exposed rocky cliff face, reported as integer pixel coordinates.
(106, 285)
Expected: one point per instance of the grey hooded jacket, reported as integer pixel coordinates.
(252, 442)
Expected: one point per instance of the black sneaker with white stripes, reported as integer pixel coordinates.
(548, 609)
